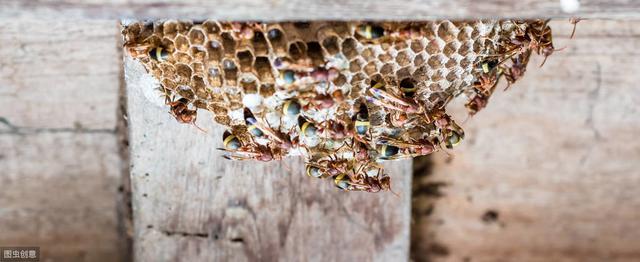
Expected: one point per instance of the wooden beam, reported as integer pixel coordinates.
(190, 204)
(59, 163)
(316, 9)
(549, 171)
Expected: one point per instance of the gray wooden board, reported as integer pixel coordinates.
(59, 74)
(59, 162)
(190, 204)
(555, 158)
(58, 192)
(312, 9)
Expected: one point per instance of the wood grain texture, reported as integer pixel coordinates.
(315, 9)
(58, 191)
(549, 171)
(59, 74)
(190, 204)
(59, 162)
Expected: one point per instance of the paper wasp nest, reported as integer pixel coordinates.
(343, 95)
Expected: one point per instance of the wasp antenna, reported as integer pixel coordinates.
(574, 21)
(394, 192)
(560, 49)
(543, 61)
(505, 59)
(199, 128)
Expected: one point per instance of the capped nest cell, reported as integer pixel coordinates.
(343, 95)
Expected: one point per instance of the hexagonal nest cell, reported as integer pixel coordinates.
(344, 95)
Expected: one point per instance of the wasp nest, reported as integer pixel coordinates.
(344, 95)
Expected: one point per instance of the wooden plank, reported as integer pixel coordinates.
(59, 163)
(315, 9)
(549, 171)
(192, 205)
(59, 192)
(59, 74)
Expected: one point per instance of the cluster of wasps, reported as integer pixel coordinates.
(511, 61)
(386, 120)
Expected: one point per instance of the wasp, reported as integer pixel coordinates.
(252, 123)
(159, 54)
(423, 147)
(330, 165)
(517, 68)
(288, 77)
(319, 171)
(453, 138)
(452, 132)
(307, 128)
(366, 183)
(180, 110)
(370, 32)
(536, 37)
(387, 151)
(486, 84)
(400, 118)
(314, 171)
(291, 108)
(477, 103)
(489, 65)
(237, 151)
(257, 129)
(385, 99)
(342, 181)
(407, 87)
(373, 185)
(361, 121)
(230, 141)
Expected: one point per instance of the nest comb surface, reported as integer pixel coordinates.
(344, 95)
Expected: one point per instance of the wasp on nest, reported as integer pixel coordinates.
(344, 95)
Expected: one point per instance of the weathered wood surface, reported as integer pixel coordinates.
(314, 9)
(190, 204)
(550, 170)
(59, 74)
(59, 161)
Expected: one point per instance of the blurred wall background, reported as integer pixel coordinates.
(550, 170)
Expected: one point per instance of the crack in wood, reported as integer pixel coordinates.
(17, 130)
(171, 233)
